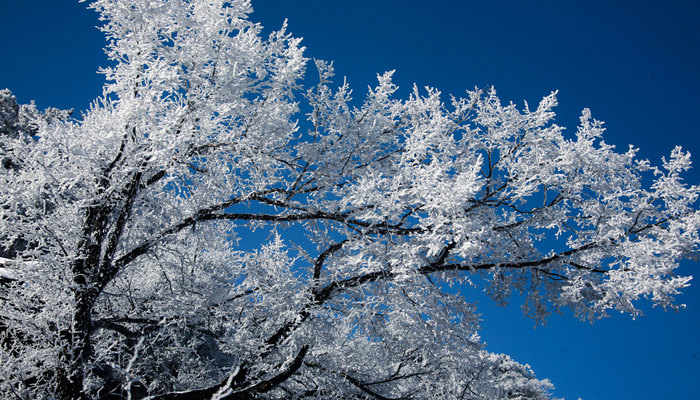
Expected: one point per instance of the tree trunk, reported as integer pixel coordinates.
(78, 349)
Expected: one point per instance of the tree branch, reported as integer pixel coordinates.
(269, 384)
(224, 390)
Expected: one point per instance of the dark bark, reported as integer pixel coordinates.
(238, 387)
(102, 229)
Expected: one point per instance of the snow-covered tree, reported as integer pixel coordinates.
(211, 229)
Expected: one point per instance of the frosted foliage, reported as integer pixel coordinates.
(212, 229)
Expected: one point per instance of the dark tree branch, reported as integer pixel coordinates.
(362, 386)
(226, 389)
(113, 326)
(107, 272)
(212, 214)
(318, 265)
(269, 384)
(156, 177)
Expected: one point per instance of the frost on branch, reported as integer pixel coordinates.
(211, 229)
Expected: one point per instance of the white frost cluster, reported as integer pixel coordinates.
(210, 228)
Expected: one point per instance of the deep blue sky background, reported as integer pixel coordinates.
(636, 64)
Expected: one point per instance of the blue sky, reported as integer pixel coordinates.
(635, 64)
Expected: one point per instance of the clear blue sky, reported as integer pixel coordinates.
(636, 64)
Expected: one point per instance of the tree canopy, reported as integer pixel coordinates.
(211, 228)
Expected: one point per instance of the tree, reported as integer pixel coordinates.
(191, 238)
